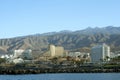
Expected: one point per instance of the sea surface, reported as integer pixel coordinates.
(64, 76)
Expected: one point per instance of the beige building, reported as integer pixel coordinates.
(55, 51)
(52, 50)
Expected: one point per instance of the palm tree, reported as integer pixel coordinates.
(107, 58)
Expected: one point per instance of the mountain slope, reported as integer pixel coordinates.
(68, 39)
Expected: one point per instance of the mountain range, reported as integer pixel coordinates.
(68, 39)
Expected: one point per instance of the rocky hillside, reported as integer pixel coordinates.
(68, 39)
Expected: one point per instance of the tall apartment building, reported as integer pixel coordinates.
(56, 51)
(100, 53)
(52, 50)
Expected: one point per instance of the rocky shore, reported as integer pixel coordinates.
(15, 71)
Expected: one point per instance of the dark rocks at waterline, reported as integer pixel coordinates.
(56, 70)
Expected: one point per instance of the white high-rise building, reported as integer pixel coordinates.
(100, 53)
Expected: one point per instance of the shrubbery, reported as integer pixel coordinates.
(2, 60)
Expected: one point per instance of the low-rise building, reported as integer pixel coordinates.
(18, 61)
(19, 56)
(78, 54)
(6, 56)
(24, 54)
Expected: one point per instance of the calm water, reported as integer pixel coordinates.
(70, 76)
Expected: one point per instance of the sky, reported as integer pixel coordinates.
(26, 17)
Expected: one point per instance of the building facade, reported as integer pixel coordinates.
(24, 54)
(78, 54)
(100, 53)
(56, 51)
(52, 50)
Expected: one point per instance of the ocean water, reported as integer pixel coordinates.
(64, 76)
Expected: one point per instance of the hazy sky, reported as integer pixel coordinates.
(25, 17)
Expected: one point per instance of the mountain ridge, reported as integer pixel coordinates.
(68, 39)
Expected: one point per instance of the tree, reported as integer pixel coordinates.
(54, 60)
(107, 58)
(2, 60)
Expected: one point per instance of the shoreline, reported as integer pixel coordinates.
(37, 68)
(44, 71)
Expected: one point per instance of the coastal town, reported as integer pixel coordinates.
(59, 39)
(56, 59)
